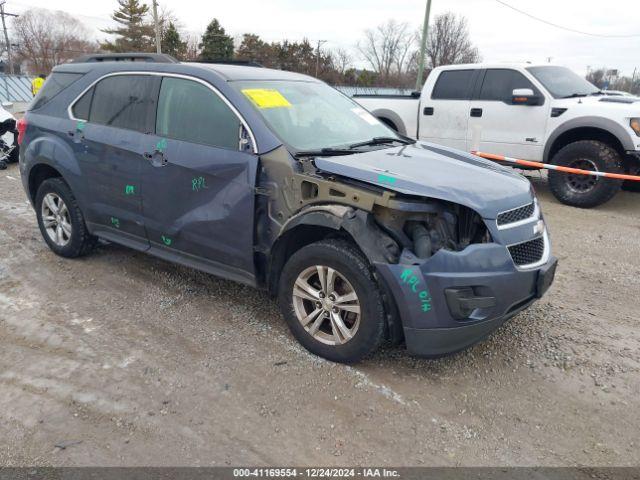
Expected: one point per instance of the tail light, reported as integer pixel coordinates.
(22, 128)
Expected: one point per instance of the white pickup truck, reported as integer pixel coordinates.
(543, 113)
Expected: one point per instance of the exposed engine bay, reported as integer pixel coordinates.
(386, 222)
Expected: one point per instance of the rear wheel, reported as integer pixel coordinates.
(331, 301)
(582, 190)
(60, 220)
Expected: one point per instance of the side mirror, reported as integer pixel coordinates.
(8, 106)
(524, 96)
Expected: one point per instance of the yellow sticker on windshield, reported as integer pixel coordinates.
(264, 98)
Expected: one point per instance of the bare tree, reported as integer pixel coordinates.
(388, 49)
(341, 60)
(597, 77)
(46, 39)
(449, 42)
(193, 50)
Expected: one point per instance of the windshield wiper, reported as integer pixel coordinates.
(575, 95)
(323, 152)
(381, 141)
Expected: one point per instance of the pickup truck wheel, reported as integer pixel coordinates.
(331, 302)
(60, 220)
(581, 190)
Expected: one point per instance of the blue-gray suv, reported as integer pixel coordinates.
(276, 180)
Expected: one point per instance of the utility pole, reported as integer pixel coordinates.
(7, 43)
(320, 42)
(157, 25)
(423, 45)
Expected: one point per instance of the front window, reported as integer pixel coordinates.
(562, 82)
(191, 112)
(310, 115)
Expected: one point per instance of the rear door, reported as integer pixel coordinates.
(198, 184)
(114, 119)
(498, 126)
(444, 117)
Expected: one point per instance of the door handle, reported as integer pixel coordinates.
(476, 112)
(77, 135)
(156, 158)
(427, 111)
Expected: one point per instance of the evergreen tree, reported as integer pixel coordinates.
(172, 43)
(216, 44)
(134, 33)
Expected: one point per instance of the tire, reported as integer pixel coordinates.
(75, 239)
(630, 186)
(366, 328)
(14, 156)
(580, 190)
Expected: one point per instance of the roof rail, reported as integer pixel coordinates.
(125, 57)
(244, 63)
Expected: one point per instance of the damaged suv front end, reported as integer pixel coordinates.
(458, 244)
(472, 252)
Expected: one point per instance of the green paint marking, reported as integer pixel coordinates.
(198, 184)
(413, 281)
(166, 240)
(161, 146)
(115, 222)
(80, 125)
(386, 179)
(130, 190)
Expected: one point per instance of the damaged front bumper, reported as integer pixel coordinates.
(454, 299)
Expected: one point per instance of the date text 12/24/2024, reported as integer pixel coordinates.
(315, 473)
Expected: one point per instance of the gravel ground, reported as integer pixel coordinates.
(122, 359)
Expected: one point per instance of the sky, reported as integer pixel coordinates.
(501, 34)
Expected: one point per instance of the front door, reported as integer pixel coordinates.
(113, 121)
(197, 184)
(497, 125)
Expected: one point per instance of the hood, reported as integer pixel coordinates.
(433, 171)
(613, 104)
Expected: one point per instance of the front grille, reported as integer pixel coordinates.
(528, 252)
(515, 215)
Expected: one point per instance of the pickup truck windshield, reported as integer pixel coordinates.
(311, 116)
(562, 82)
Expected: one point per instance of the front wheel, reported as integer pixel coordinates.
(585, 191)
(329, 298)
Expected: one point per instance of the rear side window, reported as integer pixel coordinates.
(453, 85)
(55, 83)
(82, 107)
(123, 101)
(191, 112)
(499, 84)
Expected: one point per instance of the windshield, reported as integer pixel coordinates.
(562, 82)
(310, 115)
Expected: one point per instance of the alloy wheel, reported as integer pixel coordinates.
(56, 219)
(326, 305)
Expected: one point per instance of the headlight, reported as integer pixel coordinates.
(635, 125)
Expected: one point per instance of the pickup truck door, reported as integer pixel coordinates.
(444, 117)
(497, 125)
(198, 182)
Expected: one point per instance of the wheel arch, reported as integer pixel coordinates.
(391, 119)
(588, 128)
(320, 222)
(38, 174)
